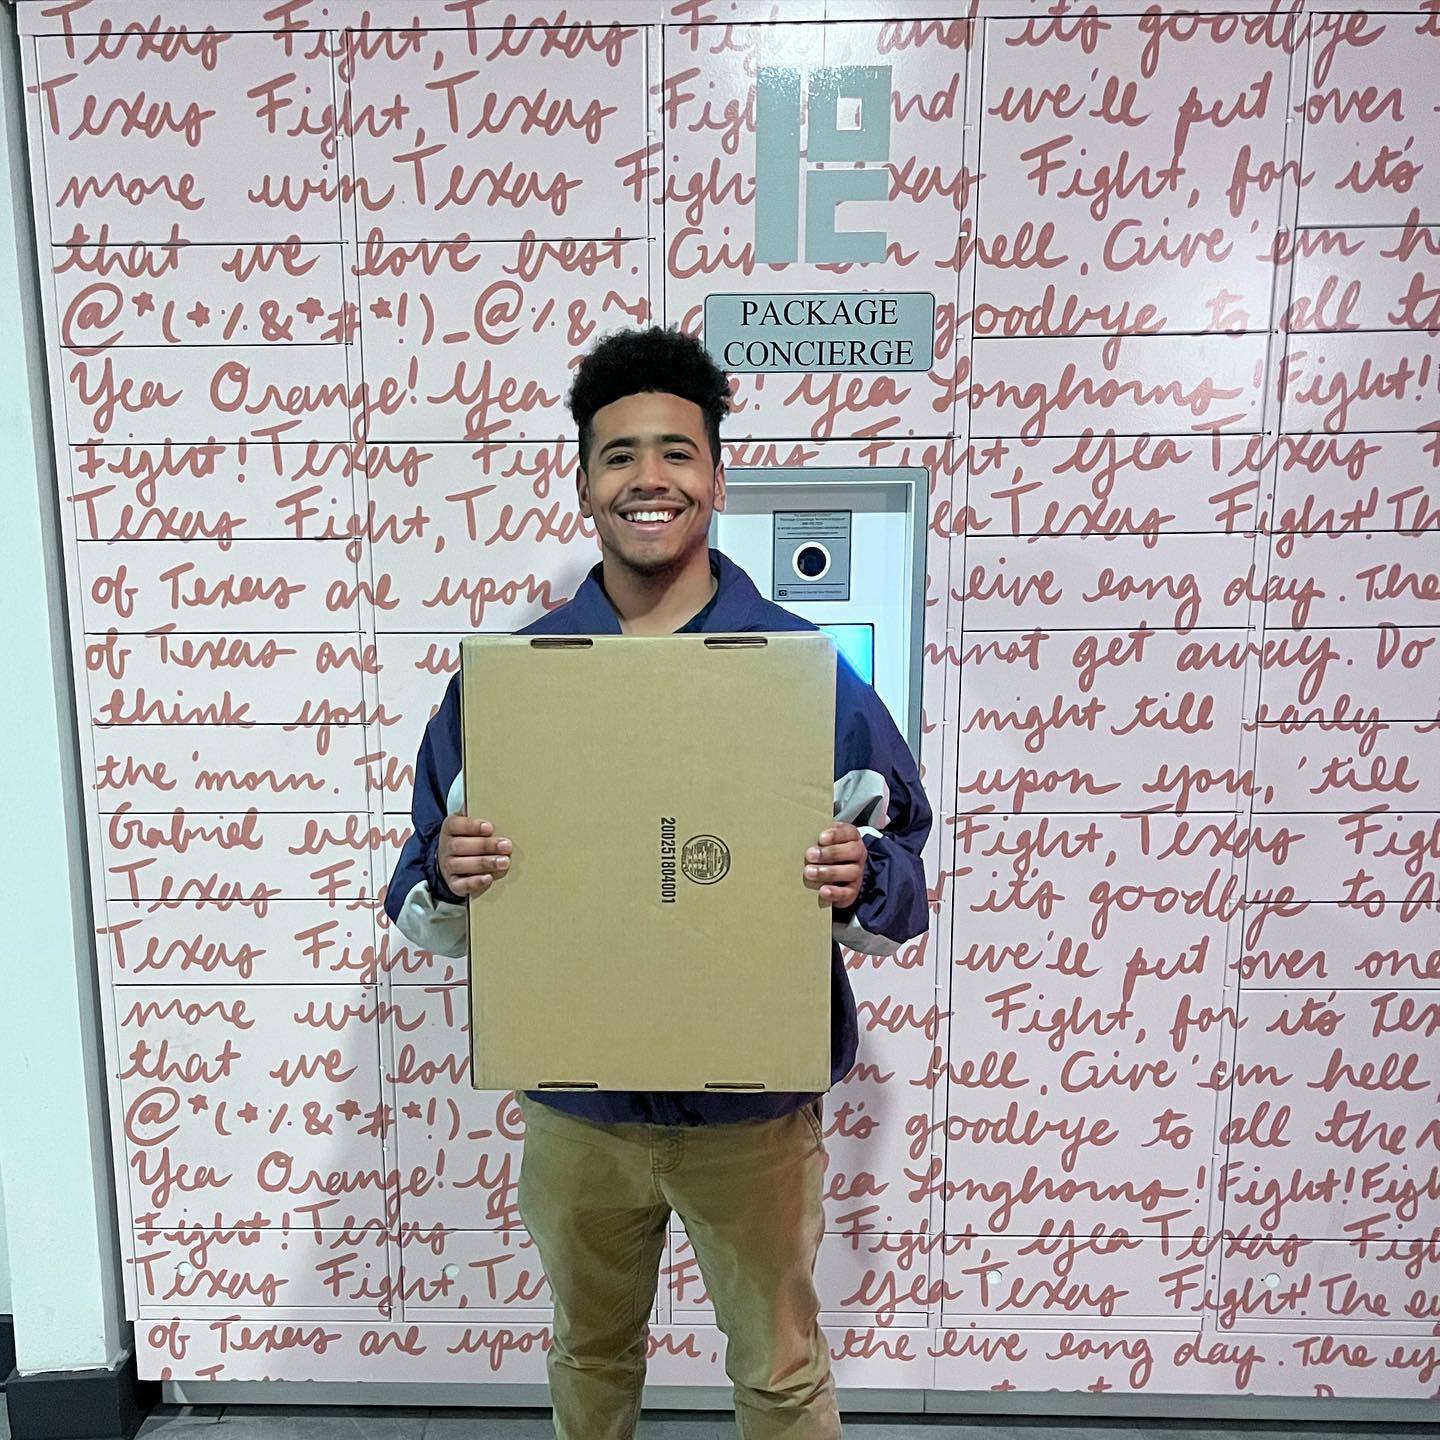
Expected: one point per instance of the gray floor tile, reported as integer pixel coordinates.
(664, 1427)
(171, 1419)
(1111, 1428)
(938, 1429)
(960, 1427)
(1268, 1430)
(4, 1420)
(480, 1425)
(261, 1422)
(1281, 1430)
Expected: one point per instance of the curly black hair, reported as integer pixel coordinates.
(630, 362)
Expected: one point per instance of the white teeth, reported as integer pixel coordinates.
(646, 517)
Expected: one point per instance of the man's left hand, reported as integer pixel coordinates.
(836, 866)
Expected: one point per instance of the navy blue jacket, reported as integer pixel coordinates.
(877, 789)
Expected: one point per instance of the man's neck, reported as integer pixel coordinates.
(658, 604)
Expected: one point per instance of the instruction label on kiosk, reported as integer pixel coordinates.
(812, 555)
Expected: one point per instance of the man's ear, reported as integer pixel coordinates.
(582, 490)
(719, 493)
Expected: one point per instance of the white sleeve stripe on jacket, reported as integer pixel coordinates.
(432, 924)
(854, 936)
(455, 795)
(862, 797)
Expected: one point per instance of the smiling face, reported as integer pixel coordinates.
(650, 482)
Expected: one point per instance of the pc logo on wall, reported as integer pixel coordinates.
(822, 138)
(845, 113)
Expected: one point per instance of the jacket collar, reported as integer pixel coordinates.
(737, 602)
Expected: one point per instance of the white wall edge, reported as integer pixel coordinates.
(65, 1268)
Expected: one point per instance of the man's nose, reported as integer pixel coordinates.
(650, 474)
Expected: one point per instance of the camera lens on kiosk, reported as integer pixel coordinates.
(811, 561)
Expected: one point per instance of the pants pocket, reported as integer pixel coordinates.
(813, 1113)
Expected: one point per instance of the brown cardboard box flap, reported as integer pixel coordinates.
(654, 931)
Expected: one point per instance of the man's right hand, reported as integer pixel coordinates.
(471, 857)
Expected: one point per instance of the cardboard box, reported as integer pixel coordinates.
(654, 931)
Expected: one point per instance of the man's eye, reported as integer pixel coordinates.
(619, 459)
(679, 455)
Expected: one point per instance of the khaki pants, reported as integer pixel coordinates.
(596, 1199)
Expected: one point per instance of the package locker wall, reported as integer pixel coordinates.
(1151, 1108)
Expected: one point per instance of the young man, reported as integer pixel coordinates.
(602, 1172)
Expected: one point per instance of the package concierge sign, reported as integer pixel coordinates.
(772, 334)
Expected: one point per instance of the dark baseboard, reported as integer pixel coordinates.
(80, 1404)
(7, 1347)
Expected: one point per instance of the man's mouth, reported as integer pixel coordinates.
(649, 521)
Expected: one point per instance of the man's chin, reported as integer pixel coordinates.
(653, 560)
(649, 563)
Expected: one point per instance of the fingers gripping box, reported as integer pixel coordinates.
(654, 931)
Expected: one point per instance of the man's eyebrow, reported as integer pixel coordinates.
(629, 442)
